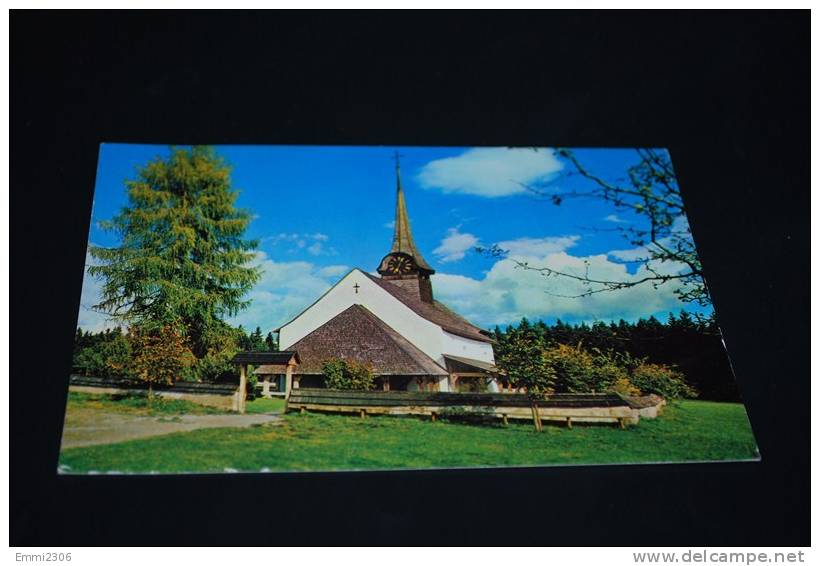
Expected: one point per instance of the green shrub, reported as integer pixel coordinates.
(348, 374)
(524, 364)
(250, 386)
(215, 366)
(623, 386)
(561, 368)
(107, 359)
(582, 371)
(661, 380)
(611, 373)
(572, 368)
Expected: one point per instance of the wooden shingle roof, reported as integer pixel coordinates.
(357, 334)
(435, 312)
(263, 358)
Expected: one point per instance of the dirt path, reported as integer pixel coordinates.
(86, 428)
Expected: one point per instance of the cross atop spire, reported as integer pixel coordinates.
(396, 157)
(402, 236)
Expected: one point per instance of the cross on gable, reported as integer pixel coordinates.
(356, 288)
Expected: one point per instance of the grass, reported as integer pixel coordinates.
(262, 405)
(137, 405)
(687, 431)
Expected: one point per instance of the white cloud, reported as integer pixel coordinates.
(285, 289)
(390, 225)
(455, 245)
(312, 243)
(680, 227)
(506, 292)
(489, 172)
(538, 247)
(614, 218)
(88, 318)
(633, 254)
(333, 270)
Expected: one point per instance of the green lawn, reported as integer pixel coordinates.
(262, 405)
(138, 405)
(688, 431)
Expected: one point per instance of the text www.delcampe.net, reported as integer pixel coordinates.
(719, 557)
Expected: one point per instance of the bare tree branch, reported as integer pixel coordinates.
(650, 191)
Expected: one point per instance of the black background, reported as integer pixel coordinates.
(728, 93)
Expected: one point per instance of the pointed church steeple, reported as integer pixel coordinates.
(404, 265)
(402, 236)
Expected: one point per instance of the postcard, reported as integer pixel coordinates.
(319, 308)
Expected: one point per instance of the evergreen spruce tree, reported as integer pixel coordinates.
(257, 341)
(271, 344)
(242, 339)
(182, 261)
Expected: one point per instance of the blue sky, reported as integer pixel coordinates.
(319, 211)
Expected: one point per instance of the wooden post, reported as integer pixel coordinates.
(288, 380)
(362, 413)
(386, 383)
(536, 418)
(569, 423)
(433, 417)
(504, 419)
(622, 423)
(302, 410)
(243, 384)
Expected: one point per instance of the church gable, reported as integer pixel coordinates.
(435, 312)
(400, 300)
(357, 334)
(358, 288)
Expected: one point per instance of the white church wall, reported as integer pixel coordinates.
(422, 333)
(466, 348)
(444, 384)
(425, 335)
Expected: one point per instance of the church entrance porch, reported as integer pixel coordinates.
(394, 382)
(430, 384)
(471, 376)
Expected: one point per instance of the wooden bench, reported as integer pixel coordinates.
(565, 408)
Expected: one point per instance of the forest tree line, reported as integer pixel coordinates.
(689, 345)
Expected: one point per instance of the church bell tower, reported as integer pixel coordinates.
(404, 266)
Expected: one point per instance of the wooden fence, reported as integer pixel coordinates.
(566, 408)
(222, 395)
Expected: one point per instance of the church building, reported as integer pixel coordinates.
(393, 323)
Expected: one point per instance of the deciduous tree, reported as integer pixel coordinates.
(160, 355)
